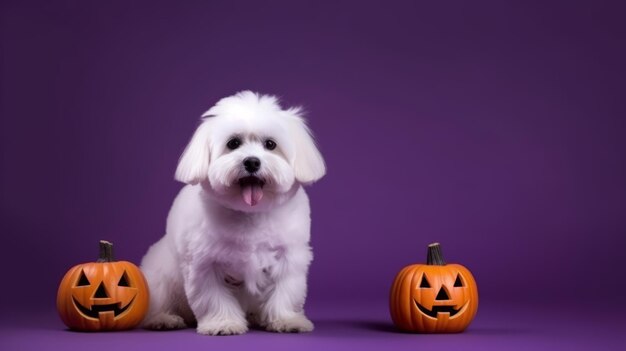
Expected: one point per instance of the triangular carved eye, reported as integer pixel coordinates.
(82, 280)
(123, 280)
(458, 282)
(424, 283)
(101, 292)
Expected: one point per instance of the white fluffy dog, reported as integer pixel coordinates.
(236, 248)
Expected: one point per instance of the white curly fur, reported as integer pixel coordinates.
(224, 263)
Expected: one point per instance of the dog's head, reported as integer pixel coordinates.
(250, 153)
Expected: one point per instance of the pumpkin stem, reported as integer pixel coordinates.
(106, 251)
(434, 256)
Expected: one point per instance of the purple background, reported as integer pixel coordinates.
(496, 128)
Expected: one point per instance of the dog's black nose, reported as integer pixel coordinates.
(252, 164)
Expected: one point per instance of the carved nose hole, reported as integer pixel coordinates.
(101, 293)
(442, 294)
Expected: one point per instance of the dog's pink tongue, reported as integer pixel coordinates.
(252, 194)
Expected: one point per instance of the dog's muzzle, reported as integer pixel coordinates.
(251, 189)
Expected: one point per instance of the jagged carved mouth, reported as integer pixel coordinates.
(95, 310)
(440, 309)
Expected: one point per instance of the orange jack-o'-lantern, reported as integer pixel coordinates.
(435, 297)
(103, 295)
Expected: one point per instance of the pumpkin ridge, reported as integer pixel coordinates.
(403, 274)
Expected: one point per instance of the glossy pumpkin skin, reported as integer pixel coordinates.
(408, 290)
(123, 304)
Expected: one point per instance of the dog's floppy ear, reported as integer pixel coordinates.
(308, 164)
(193, 166)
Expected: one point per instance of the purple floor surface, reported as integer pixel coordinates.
(353, 326)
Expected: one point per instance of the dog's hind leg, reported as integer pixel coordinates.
(166, 288)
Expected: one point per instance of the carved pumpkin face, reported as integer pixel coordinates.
(434, 298)
(103, 296)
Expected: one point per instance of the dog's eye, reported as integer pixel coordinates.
(270, 144)
(233, 143)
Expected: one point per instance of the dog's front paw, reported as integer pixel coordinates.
(165, 321)
(222, 327)
(296, 324)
